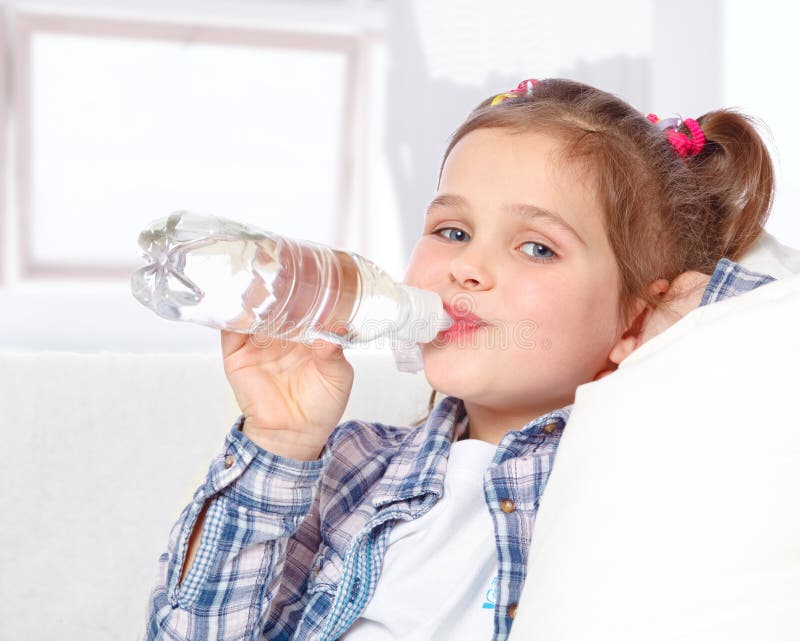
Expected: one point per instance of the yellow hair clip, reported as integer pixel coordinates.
(501, 97)
(524, 88)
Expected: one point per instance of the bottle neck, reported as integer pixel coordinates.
(426, 316)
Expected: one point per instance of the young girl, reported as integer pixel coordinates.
(566, 230)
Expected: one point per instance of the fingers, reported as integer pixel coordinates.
(324, 351)
(330, 361)
(689, 282)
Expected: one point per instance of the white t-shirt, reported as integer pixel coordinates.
(440, 571)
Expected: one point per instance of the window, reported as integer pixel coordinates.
(121, 123)
(115, 122)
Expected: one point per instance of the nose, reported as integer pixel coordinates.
(470, 269)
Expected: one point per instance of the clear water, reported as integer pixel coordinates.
(225, 275)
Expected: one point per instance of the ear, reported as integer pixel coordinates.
(632, 337)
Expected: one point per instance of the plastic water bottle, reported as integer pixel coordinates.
(228, 275)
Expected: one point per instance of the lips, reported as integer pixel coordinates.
(464, 323)
(463, 318)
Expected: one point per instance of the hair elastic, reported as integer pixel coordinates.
(683, 144)
(524, 88)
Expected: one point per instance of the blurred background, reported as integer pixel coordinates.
(318, 119)
(323, 120)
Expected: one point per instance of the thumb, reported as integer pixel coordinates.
(231, 341)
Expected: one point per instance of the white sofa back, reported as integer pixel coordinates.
(102, 451)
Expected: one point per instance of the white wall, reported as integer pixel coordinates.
(421, 67)
(760, 50)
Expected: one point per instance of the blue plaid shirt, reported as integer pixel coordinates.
(293, 549)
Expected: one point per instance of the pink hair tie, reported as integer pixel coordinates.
(683, 144)
(524, 88)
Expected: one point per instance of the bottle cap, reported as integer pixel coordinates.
(408, 357)
(426, 318)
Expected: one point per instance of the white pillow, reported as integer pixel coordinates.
(673, 509)
(768, 256)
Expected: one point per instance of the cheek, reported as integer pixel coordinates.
(566, 314)
(591, 317)
(532, 300)
(423, 265)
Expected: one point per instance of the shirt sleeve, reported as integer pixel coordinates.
(731, 279)
(256, 501)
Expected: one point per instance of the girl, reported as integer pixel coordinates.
(566, 230)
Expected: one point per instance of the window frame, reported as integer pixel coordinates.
(4, 124)
(27, 25)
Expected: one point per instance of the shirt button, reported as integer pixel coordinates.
(229, 461)
(507, 505)
(512, 610)
(550, 427)
(315, 572)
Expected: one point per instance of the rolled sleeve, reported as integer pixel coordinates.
(253, 478)
(254, 500)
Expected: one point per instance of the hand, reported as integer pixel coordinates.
(291, 394)
(679, 298)
(684, 294)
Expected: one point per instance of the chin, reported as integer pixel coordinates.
(452, 375)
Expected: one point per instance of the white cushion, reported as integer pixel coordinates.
(769, 256)
(101, 453)
(672, 512)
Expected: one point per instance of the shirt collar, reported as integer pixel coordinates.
(418, 467)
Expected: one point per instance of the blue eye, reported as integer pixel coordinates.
(536, 256)
(459, 235)
(455, 229)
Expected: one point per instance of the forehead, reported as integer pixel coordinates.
(493, 166)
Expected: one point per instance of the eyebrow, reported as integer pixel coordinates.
(527, 211)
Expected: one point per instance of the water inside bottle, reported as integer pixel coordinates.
(318, 289)
(226, 275)
(267, 285)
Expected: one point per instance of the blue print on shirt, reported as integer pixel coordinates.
(491, 596)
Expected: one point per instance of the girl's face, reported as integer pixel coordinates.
(516, 238)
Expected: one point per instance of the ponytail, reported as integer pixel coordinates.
(736, 180)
